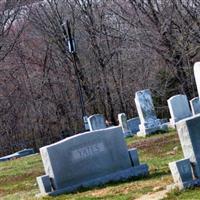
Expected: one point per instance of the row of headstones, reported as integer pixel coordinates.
(101, 154)
(186, 172)
(145, 124)
(97, 157)
(129, 127)
(179, 108)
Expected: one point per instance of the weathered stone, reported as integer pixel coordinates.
(134, 156)
(149, 122)
(85, 120)
(179, 108)
(197, 76)
(89, 159)
(133, 124)
(123, 123)
(19, 154)
(195, 105)
(181, 172)
(44, 184)
(96, 122)
(188, 130)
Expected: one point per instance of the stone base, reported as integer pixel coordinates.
(149, 131)
(128, 134)
(188, 184)
(172, 121)
(136, 171)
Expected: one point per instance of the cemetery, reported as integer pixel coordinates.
(161, 156)
(99, 100)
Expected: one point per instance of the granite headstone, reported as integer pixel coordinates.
(195, 105)
(86, 160)
(149, 122)
(123, 123)
(179, 108)
(96, 122)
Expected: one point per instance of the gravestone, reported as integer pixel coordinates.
(133, 124)
(188, 131)
(96, 122)
(179, 108)
(182, 173)
(85, 120)
(19, 154)
(197, 76)
(86, 160)
(123, 123)
(149, 123)
(195, 105)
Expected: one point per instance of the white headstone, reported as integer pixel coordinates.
(195, 105)
(197, 76)
(182, 173)
(146, 112)
(186, 172)
(179, 108)
(123, 123)
(88, 159)
(96, 122)
(188, 132)
(85, 120)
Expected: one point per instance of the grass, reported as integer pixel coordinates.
(18, 177)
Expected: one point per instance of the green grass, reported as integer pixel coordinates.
(18, 177)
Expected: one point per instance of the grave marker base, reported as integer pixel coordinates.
(137, 171)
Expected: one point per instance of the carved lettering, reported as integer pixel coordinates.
(88, 151)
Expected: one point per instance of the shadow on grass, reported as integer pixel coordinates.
(152, 176)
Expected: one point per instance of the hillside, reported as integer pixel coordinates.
(18, 177)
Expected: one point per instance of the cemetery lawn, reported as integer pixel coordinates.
(18, 177)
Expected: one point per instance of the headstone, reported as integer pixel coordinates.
(179, 108)
(19, 154)
(123, 123)
(88, 159)
(85, 120)
(96, 122)
(195, 105)
(186, 172)
(149, 122)
(188, 130)
(134, 156)
(197, 76)
(44, 184)
(182, 173)
(133, 124)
